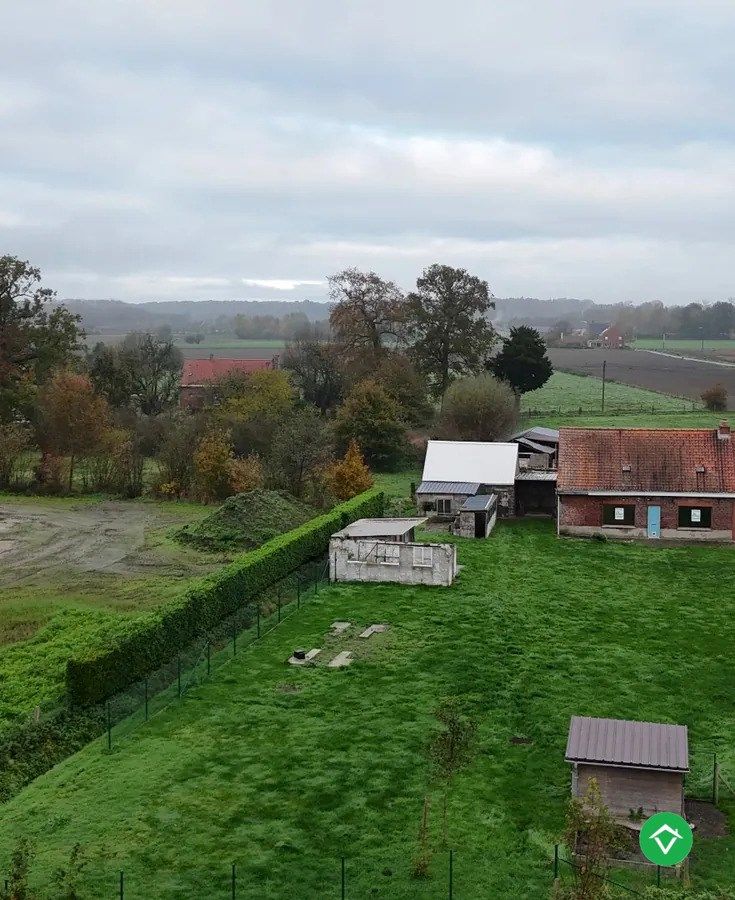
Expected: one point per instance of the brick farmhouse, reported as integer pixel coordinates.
(198, 373)
(671, 484)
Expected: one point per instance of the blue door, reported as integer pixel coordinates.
(654, 521)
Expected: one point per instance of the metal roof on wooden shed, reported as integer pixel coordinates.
(617, 742)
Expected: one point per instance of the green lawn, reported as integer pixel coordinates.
(698, 419)
(284, 770)
(564, 392)
(657, 343)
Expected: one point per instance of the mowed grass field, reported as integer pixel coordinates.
(286, 770)
(564, 393)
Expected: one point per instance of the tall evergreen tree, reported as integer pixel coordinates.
(522, 361)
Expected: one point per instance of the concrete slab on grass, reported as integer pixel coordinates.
(339, 627)
(307, 659)
(373, 629)
(340, 660)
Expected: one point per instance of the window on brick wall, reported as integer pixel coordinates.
(621, 514)
(695, 517)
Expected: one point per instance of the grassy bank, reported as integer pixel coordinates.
(286, 770)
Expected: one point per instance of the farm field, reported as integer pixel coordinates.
(72, 570)
(283, 771)
(653, 371)
(565, 392)
(694, 345)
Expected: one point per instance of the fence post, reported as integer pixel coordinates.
(556, 861)
(122, 885)
(344, 883)
(279, 602)
(233, 881)
(234, 639)
(178, 672)
(209, 657)
(298, 591)
(715, 780)
(451, 874)
(258, 608)
(658, 876)
(145, 682)
(109, 727)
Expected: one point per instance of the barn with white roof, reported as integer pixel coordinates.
(455, 471)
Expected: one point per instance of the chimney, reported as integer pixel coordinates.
(723, 431)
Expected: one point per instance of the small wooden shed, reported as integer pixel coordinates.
(638, 765)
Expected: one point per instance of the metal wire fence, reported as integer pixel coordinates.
(30, 747)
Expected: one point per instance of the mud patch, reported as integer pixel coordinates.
(707, 819)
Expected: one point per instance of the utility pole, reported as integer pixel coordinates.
(604, 369)
(663, 341)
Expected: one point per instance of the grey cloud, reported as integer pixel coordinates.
(176, 149)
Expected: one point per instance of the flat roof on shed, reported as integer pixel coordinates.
(618, 742)
(478, 503)
(379, 528)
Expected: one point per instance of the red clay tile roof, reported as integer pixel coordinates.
(596, 459)
(200, 371)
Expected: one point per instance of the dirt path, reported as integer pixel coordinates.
(41, 539)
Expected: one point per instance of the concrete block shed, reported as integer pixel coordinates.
(636, 764)
(477, 516)
(384, 550)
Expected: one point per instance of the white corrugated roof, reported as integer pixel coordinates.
(379, 528)
(486, 463)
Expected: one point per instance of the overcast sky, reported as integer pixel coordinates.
(155, 149)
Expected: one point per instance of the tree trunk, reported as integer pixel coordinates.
(71, 472)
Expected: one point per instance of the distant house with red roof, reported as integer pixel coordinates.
(675, 484)
(609, 338)
(198, 373)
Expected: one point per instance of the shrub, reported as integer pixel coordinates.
(349, 476)
(480, 408)
(715, 397)
(212, 460)
(144, 644)
(246, 474)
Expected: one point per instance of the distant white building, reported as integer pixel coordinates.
(454, 471)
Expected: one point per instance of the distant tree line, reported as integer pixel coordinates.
(390, 370)
(653, 319)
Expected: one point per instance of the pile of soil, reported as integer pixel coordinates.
(246, 521)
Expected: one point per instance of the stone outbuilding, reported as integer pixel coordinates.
(385, 550)
(638, 765)
(477, 516)
(457, 470)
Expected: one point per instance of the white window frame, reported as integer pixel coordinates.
(423, 557)
(388, 554)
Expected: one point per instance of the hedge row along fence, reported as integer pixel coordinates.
(147, 643)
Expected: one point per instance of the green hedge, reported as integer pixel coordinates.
(146, 643)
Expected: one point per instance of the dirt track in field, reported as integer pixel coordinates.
(646, 369)
(40, 539)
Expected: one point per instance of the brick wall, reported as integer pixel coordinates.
(626, 789)
(586, 512)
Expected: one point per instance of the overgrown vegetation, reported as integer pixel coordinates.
(246, 521)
